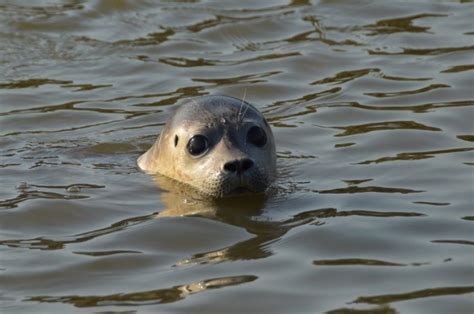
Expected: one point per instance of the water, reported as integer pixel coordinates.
(371, 104)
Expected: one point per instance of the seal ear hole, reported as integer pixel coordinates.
(176, 139)
(257, 136)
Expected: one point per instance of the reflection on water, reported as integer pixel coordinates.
(371, 106)
(27, 193)
(148, 297)
(384, 299)
(58, 244)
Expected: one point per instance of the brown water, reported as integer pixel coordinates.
(371, 104)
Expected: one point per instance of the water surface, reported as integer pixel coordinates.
(371, 104)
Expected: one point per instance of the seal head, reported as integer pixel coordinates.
(219, 145)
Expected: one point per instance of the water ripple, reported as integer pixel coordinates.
(400, 25)
(422, 108)
(190, 63)
(44, 243)
(421, 51)
(417, 155)
(405, 93)
(158, 296)
(412, 295)
(27, 194)
(358, 262)
(383, 126)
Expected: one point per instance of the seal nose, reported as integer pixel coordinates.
(238, 166)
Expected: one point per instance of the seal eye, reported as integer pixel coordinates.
(256, 135)
(198, 145)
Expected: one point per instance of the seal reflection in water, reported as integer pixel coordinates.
(219, 145)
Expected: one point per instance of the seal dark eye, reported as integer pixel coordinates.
(257, 136)
(198, 145)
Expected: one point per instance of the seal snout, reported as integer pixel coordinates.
(238, 166)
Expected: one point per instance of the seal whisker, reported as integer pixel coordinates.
(241, 106)
(243, 114)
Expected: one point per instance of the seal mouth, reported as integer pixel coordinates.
(240, 190)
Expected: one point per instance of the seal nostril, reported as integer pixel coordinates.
(231, 166)
(246, 164)
(238, 166)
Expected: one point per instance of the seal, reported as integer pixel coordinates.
(219, 145)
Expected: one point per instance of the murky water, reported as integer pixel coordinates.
(371, 104)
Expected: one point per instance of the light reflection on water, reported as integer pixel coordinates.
(371, 107)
